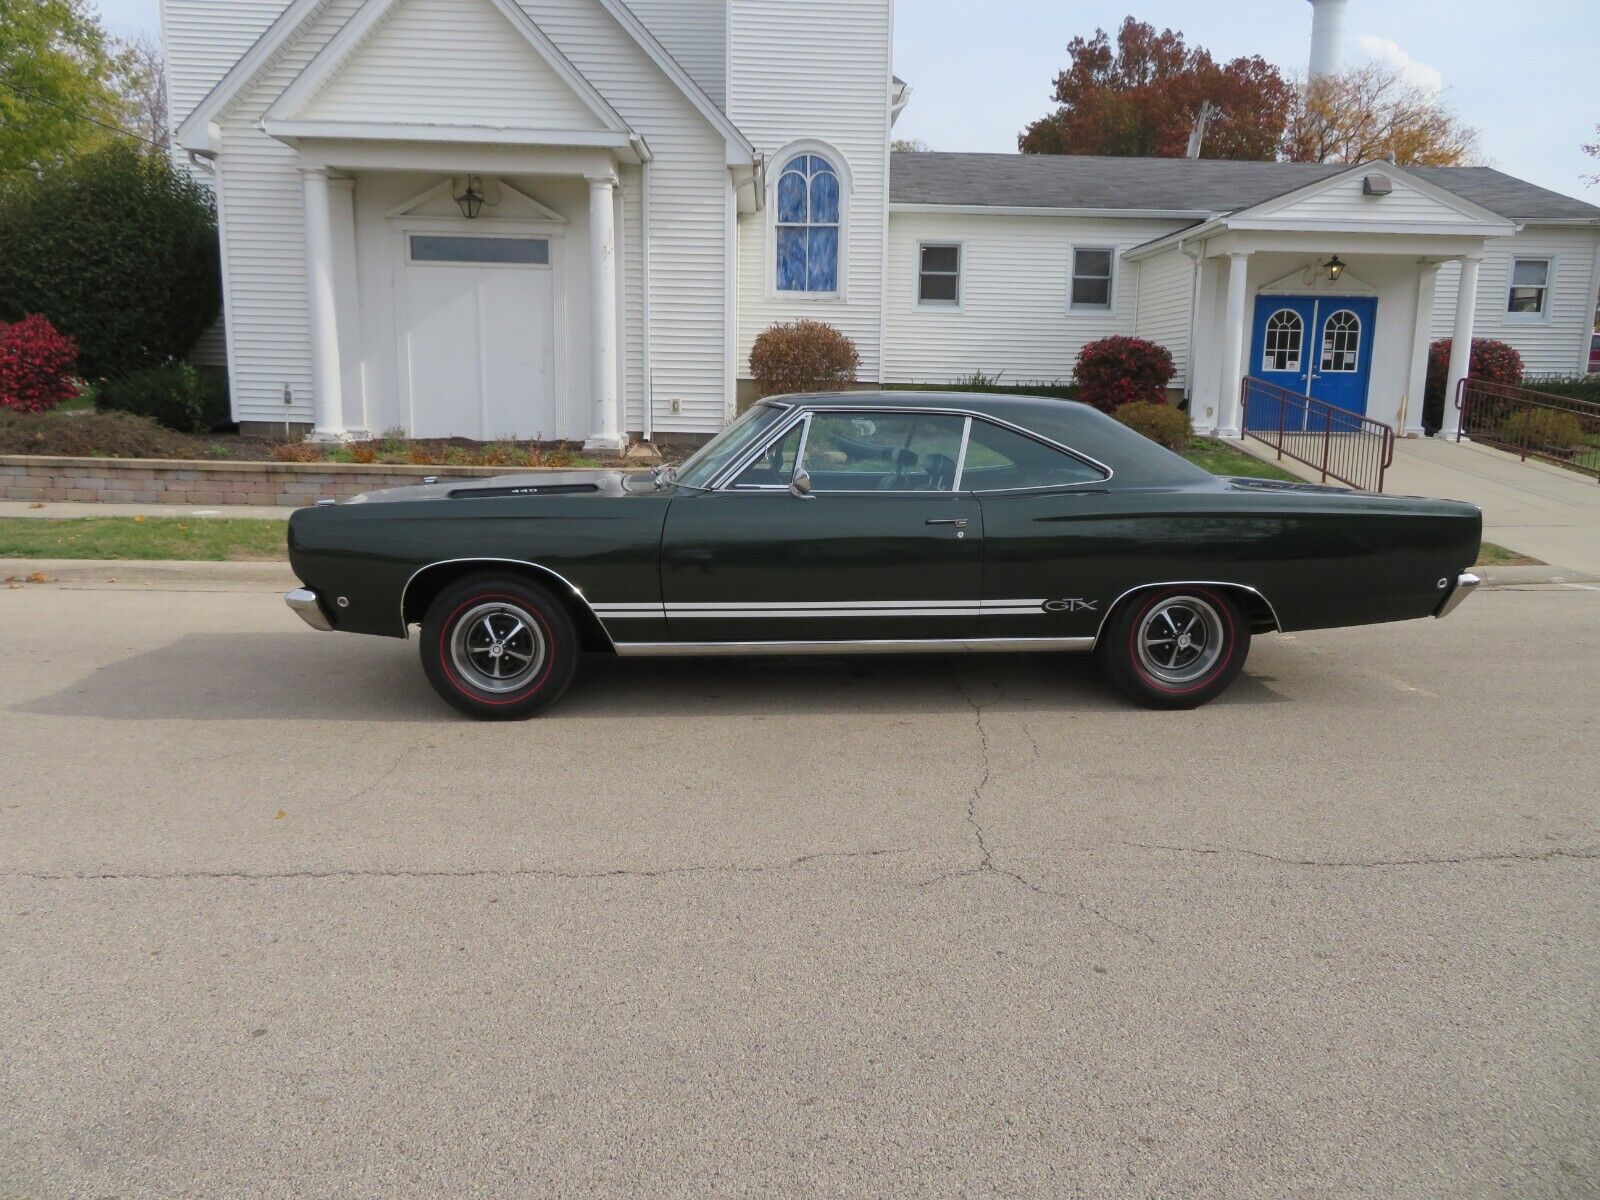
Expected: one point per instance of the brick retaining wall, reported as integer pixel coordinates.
(180, 481)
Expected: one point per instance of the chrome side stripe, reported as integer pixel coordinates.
(860, 646)
(823, 608)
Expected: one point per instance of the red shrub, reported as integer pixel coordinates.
(37, 365)
(1491, 361)
(1122, 370)
(802, 356)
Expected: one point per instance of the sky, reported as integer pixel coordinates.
(980, 72)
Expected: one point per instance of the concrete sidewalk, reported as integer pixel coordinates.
(1530, 507)
(68, 509)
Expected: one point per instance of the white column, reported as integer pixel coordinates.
(605, 426)
(1460, 343)
(322, 307)
(1417, 380)
(1233, 331)
(1203, 348)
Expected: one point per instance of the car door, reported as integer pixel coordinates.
(1051, 533)
(882, 548)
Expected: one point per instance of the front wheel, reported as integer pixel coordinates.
(1175, 647)
(497, 647)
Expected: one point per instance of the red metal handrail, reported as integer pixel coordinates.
(1563, 430)
(1353, 449)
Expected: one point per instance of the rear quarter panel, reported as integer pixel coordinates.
(1320, 559)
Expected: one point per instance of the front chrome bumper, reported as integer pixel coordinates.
(1464, 586)
(304, 602)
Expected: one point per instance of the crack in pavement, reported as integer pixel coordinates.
(1581, 854)
(481, 873)
(986, 864)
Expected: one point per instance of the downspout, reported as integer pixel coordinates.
(1194, 314)
(644, 307)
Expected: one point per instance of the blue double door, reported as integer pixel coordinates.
(1317, 346)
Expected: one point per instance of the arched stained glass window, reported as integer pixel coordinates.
(1341, 341)
(808, 225)
(1281, 346)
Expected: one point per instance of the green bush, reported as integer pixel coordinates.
(1578, 387)
(119, 250)
(987, 384)
(177, 395)
(1161, 423)
(1542, 429)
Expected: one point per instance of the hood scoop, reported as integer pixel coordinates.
(521, 489)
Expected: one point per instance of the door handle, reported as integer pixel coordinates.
(958, 522)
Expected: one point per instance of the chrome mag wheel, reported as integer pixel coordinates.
(1180, 640)
(497, 646)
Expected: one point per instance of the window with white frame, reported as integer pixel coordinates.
(808, 221)
(1530, 287)
(1281, 346)
(939, 274)
(1091, 276)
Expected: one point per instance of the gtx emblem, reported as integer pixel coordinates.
(1069, 606)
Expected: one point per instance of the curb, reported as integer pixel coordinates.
(1520, 576)
(147, 574)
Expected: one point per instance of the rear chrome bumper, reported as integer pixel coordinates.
(304, 602)
(1463, 588)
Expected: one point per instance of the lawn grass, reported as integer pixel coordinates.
(1221, 459)
(205, 539)
(1490, 555)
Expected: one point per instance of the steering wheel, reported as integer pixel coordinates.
(900, 480)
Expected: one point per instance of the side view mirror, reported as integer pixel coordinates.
(800, 485)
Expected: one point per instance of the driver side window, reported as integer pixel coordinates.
(882, 452)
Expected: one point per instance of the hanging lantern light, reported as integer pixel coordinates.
(1334, 267)
(470, 198)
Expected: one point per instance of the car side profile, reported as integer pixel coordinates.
(875, 523)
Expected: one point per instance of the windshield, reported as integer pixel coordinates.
(707, 462)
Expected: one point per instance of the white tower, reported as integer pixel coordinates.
(1327, 36)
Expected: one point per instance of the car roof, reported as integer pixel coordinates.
(1134, 459)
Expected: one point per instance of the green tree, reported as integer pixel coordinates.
(119, 249)
(1143, 95)
(59, 84)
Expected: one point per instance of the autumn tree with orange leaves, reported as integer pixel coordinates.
(1373, 112)
(1143, 95)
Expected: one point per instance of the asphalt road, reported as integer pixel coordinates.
(274, 922)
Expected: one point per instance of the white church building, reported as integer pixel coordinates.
(571, 218)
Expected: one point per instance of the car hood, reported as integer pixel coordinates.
(528, 483)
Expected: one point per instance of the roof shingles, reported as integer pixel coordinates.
(1197, 187)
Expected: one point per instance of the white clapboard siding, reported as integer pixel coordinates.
(1555, 345)
(202, 39)
(689, 182)
(1014, 316)
(818, 71)
(260, 206)
(1162, 308)
(695, 33)
(1346, 203)
(441, 62)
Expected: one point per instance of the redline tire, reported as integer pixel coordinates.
(1175, 647)
(497, 647)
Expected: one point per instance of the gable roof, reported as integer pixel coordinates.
(194, 132)
(372, 17)
(1178, 187)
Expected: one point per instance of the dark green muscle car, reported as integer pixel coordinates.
(865, 522)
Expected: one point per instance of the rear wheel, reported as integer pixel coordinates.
(1175, 647)
(498, 647)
